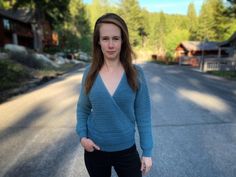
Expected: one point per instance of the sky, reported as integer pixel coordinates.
(170, 6)
(167, 6)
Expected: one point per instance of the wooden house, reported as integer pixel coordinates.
(208, 56)
(15, 28)
(20, 27)
(229, 45)
(191, 52)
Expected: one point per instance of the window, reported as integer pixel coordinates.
(6, 24)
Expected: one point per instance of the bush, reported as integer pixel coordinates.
(225, 74)
(52, 50)
(11, 74)
(26, 59)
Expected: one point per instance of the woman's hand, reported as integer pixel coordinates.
(89, 145)
(146, 164)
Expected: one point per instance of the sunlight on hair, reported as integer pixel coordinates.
(204, 100)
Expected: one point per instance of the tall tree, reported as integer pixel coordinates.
(98, 8)
(54, 11)
(222, 23)
(6, 4)
(230, 15)
(192, 21)
(76, 30)
(1, 4)
(79, 22)
(153, 19)
(212, 22)
(144, 30)
(206, 21)
(231, 10)
(160, 40)
(131, 12)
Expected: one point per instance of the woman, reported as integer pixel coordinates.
(113, 98)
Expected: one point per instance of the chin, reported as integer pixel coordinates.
(112, 57)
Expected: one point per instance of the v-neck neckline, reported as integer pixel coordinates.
(117, 87)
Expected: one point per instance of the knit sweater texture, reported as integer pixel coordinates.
(110, 120)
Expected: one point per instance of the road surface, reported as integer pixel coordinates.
(194, 127)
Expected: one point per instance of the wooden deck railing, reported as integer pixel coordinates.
(218, 64)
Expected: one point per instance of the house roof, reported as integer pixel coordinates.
(232, 38)
(22, 15)
(198, 45)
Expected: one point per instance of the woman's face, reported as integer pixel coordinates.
(110, 41)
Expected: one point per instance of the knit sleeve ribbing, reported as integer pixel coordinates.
(142, 110)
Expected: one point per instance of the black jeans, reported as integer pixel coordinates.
(126, 163)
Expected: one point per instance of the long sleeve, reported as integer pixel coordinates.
(142, 108)
(83, 109)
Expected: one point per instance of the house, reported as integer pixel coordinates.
(20, 27)
(208, 56)
(15, 28)
(229, 45)
(191, 52)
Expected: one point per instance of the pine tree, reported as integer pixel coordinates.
(153, 20)
(131, 12)
(231, 10)
(160, 35)
(206, 22)
(75, 32)
(221, 24)
(79, 18)
(4, 4)
(192, 21)
(54, 11)
(213, 25)
(98, 8)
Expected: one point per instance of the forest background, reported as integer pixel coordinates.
(150, 32)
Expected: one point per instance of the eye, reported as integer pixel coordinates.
(116, 38)
(105, 38)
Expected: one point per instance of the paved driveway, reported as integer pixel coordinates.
(194, 127)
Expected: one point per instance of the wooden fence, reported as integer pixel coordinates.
(210, 63)
(218, 64)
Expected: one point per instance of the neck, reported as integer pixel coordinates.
(111, 65)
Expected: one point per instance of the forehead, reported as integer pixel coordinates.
(109, 29)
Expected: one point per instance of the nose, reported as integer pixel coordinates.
(110, 44)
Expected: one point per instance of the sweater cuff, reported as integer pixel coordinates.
(82, 135)
(147, 153)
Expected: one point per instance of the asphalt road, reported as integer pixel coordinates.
(194, 127)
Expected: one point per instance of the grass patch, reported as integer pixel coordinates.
(53, 72)
(225, 74)
(12, 74)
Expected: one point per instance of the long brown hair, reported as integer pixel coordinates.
(126, 53)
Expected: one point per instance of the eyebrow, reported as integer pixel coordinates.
(109, 36)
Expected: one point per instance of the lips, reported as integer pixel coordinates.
(110, 52)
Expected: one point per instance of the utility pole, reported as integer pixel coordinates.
(203, 44)
(202, 57)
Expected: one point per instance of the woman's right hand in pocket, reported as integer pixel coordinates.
(89, 145)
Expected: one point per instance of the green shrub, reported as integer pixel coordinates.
(225, 74)
(26, 59)
(52, 50)
(12, 74)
